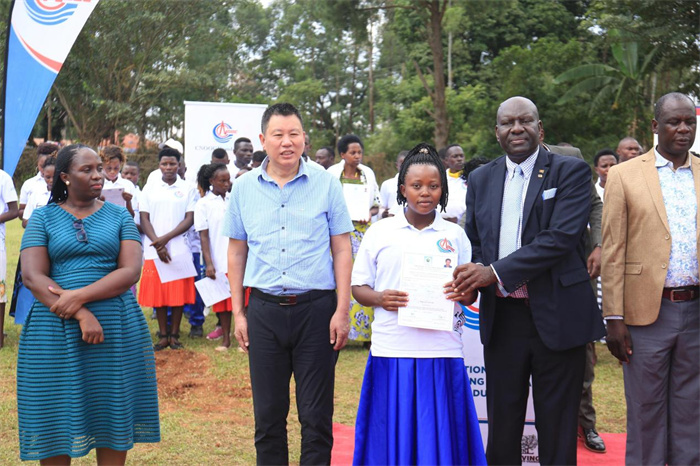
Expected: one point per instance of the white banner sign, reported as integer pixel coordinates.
(210, 125)
(474, 362)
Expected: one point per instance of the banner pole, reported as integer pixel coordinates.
(4, 86)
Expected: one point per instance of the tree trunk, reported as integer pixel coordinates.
(437, 10)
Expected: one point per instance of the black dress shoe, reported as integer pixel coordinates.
(196, 331)
(593, 441)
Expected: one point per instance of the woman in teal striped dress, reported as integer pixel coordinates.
(85, 371)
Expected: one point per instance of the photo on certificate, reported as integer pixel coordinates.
(423, 277)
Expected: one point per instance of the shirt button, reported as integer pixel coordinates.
(663, 266)
(667, 237)
(282, 205)
(283, 228)
(284, 273)
(283, 250)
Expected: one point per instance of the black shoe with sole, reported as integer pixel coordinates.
(196, 331)
(592, 441)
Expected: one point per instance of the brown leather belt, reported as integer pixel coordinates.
(681, 293)
(290, 299)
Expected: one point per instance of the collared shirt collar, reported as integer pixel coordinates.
(302, 171)
(527, 165)
(438, 224)
(663, 162)
(178, 182)
(210, 194)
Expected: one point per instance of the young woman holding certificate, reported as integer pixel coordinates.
(416, 405)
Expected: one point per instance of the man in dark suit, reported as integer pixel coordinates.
(527, 214)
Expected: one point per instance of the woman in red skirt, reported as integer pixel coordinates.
(166, 208)
(214, 182)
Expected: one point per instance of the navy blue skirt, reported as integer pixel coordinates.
(417, 411)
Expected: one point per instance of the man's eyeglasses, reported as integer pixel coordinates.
(80, 234)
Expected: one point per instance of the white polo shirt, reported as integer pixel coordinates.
(167, 206)
(209, 214)
(120, 182)
(7, 194)
(457, 199)
(36, 199)
(388, 191)
(378, 265)
(29, 185)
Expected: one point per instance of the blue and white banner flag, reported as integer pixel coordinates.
(41, 34)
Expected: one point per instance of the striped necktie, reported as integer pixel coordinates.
(511, 214)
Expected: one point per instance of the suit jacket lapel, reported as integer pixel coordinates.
(695, 165)
(498, 173)
(651, 176)
(536, 182)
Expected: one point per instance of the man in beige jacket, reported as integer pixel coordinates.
(650, 283)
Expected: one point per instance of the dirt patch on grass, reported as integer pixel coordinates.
(186, 382)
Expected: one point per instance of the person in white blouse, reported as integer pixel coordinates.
(40, 197)
(214, 182)
(112, 160)
(167, 212)
(43, 150)
(390, 188)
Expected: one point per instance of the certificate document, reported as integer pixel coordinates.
(423, 277)
(213, 291)
(179, 267)
(358, 201)
(114, 196)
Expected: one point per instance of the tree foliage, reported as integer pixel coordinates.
(395, 72)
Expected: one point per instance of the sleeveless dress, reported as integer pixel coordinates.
(73, 396)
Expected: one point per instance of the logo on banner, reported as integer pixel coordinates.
(223, 132)
(50, 12)
(444, 245)
(471, 316)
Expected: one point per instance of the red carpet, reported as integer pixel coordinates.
(344, 443)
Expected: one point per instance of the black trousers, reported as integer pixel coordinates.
(286, 340)
(515, 353)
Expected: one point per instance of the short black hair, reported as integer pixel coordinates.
(238, 141)
(330, 150)
(219, 153)
(50, 161)
(169, 152)
(131, 163)
(472, 164)
(346, 140)
(658, 108)
(427, 155)
(113, 152)
(604, 152)
(259, 155)
(450, 146)
(46, 148)
(281, 109)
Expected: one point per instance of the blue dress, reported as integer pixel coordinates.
(73, 396)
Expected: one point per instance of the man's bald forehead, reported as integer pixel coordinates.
(516, 101)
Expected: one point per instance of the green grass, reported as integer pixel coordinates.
(206, 409)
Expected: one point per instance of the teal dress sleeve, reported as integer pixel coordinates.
(35, 235)
(128, 230)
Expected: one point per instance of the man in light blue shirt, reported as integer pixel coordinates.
(290, 244)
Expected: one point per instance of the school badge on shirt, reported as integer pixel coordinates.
(445, 245)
